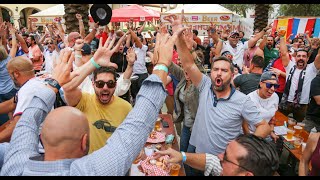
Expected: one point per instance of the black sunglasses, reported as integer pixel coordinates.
(100, 84)
(49, 43)
(269, 85)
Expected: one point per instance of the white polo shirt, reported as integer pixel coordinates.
(236, 52)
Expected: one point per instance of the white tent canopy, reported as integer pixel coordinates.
(57, 10)
(49, 15)
(201, 8)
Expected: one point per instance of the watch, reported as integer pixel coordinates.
(54, 83)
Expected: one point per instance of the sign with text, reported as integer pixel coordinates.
(204, 18)
(46, 20)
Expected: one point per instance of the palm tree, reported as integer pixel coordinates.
(71, 22)
(261, 16)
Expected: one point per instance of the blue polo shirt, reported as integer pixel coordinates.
(219, 121)
(6, 83)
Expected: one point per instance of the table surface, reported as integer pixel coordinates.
(170, 130)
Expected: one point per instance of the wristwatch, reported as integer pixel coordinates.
(54, 83)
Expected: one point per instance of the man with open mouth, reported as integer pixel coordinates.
(296, 95)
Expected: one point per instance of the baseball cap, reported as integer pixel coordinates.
(268, 76)
(234, 33)
(86, 49)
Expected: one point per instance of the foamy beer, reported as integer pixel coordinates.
(290, 133)
(298, 130)
(174, 169)
(301, 124)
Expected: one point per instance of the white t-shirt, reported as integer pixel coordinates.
(237, 52)
(26, 93)
(139, 66)
(266, 107)
(311, 73)
(49, 59)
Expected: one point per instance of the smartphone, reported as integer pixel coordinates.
(164, 123)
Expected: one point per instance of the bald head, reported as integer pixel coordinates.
(73, 36)
(64, 132)
(21, 64)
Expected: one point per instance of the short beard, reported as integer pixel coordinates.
(223, 87)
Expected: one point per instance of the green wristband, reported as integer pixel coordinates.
(161, 67)
(94, 63)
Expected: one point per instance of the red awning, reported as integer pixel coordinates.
(134, 12)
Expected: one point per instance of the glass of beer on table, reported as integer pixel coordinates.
(290, 133)
(298, 130)
(297, 142)
(157, 126)
(174, 169)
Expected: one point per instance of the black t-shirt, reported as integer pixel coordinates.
(120, 59)
(313, 111)
(247, 82)
(313, 55)
(206, 53)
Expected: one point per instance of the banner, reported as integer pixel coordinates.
(316, 32)
(302, 25)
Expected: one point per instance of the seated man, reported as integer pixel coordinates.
(247, 155)
(65, 133)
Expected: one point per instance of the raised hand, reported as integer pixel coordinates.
(176, 21)
(78, 44)
(62, 71)
(164, 47)
(103, 54)
(131, 56)
(188, 38)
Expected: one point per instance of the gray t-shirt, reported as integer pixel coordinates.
(247, 82)
(215, 126)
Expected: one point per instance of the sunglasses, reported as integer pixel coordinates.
(49, 43)
(100, 84)
(269, 85)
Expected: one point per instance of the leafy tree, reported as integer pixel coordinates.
(300, 9)
(71, 22)
(261, 13)
(239, 8)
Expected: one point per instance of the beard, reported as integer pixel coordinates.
(220, 86)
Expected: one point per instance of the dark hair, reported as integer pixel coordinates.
(21, 28)
(262, 158)
(241, 32)
(195, 32)
(236, 66)
(257, 61)
(222, 58)
(111, 70)
(25, 34)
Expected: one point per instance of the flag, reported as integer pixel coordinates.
(274, 27)
(316, 32)
(302, 25)
(285, 24)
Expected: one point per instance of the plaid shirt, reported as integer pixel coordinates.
(115, 158)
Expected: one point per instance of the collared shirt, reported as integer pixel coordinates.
(115, 158)
(214, 126)
(215, 99)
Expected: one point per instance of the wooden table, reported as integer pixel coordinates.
(170, 130)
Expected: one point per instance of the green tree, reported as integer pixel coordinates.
(300, 9)
(261, 16)
(71, 22)
(239, 8)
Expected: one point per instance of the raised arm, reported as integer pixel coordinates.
(127, 141)
(307, 153)
(263, 42)
(142, 27)
(14, 48)
(81, 25)
(135, 39)
(92, 34)
(255, 39)
(25, 139)
(284, 51)
(23, 43)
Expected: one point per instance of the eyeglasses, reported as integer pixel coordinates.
(100, 84)
(225, 159)
(49, 43)
(235, 37)
(269, 85)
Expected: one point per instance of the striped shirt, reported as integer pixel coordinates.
(213, 165)
(115, 158)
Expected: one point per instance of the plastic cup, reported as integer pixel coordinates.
(174, 169)
(301, 124)
(298, 130)
(290, 133)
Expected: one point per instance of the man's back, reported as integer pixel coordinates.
(103, 119)
(247, 82)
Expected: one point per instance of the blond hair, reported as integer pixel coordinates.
(3, 53)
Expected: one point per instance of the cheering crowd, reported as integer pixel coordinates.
(85, 104)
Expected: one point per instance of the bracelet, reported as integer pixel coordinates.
(161, 67)
(94, 63)
(184, 157)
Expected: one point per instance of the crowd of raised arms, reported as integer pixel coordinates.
(85, 104)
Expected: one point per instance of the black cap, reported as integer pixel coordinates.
(101, 13)
(86, 49)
